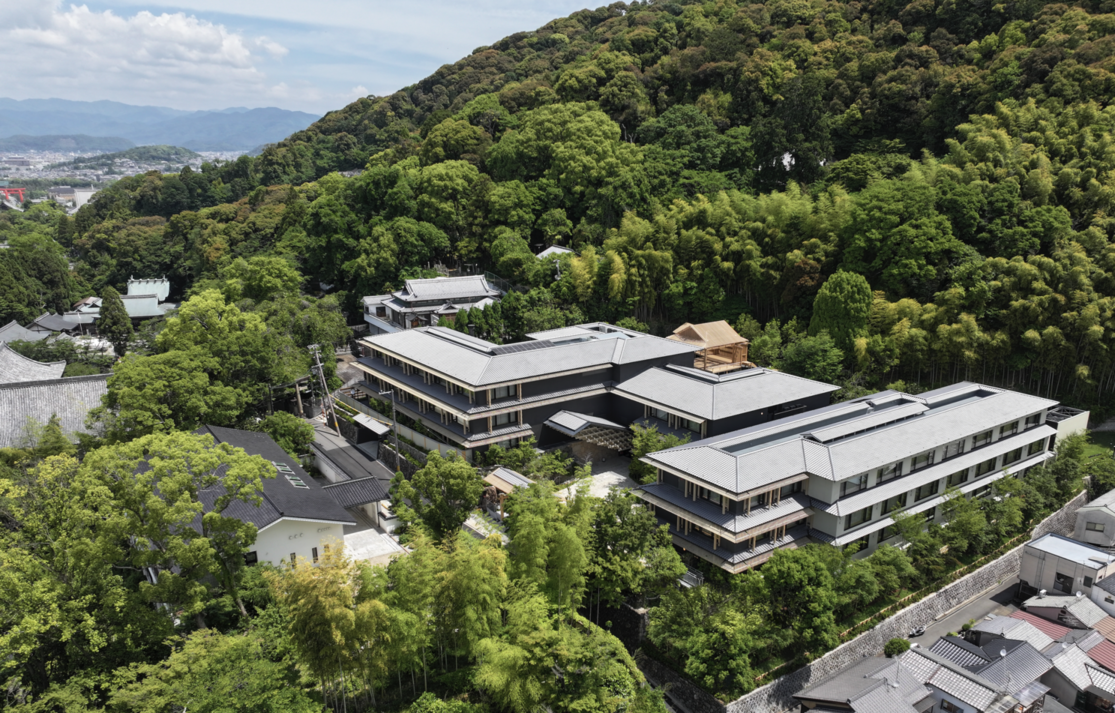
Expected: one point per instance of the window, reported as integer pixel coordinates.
(980, 492)
(950, 707)
(985, 467)
(857, 518)
(930, 514)
(1036, 447)
(891, 504)
(659, 414)
(954, 449)
(1033, 420)
(853, 485)
(890, 472)
(928, 489)
(1062, 583)
(711, 496)
(888, 532)
(759, 501)
(1008, 430)
(502, 392)
(314, 552)
(688, 425)
(1087, 581)
(957, 478)
(1012, 457)
(503, 419)
(923, 460)
(293, 559)
(981, 439)
(788, 490)
(1094, 527)
(251, 558)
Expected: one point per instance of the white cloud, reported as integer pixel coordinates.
(358, 91)
(169, 58)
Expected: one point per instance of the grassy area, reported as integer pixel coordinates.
(1101, 443)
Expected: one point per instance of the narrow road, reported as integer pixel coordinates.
(997, 601)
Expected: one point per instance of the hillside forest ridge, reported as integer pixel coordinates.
(876, 195)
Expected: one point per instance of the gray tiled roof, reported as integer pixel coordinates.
(571, 423)
(951, 678)
(1082, 608)
(159, 287)
(61, 322)
(448, 288)
(1103, 502)
(12, 332)
(868, 686)
(1011, 628)
(1072, 663)
(478, 363)
(1023, 664)
(354, 493)
(16, 368)
(70, 399)
(790, 446)
(710, 396)
(280, 496)
(512, 477)
(959, 651)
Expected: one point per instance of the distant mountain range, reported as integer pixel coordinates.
(233, 129)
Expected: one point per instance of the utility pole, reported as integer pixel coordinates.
(395, 426)
(315, 351)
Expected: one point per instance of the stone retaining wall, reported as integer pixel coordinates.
(777, 696)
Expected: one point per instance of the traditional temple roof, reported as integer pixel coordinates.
(34, 402)
(16, 368)
(12, 332)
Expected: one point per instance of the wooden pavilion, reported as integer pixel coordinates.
(721, 348)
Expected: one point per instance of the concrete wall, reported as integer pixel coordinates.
(1102, 515)
(1072, 426)
(275, 544)
(1039, 570)
(777, 697)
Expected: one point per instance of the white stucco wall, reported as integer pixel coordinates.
(1072, 426)
(275, 544)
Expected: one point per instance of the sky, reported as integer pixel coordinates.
(307, 55)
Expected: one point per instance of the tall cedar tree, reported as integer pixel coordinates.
(114, 323)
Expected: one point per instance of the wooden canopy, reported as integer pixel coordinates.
(721, 347)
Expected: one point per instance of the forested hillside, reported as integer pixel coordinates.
(713, 160)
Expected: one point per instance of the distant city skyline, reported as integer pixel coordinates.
(210, 54)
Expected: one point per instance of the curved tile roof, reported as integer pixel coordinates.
(16, 368)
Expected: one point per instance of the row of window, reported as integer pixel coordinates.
(677, 421)
(930, 489)
(758, 501)
(894, 470)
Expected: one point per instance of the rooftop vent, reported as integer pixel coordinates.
(290, 475)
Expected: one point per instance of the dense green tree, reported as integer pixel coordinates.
(802, 599)
(841, 308)
(164, 393)
(212, 672)
(813, 357)
(291, 433)
(114, 324)
(439, 496)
